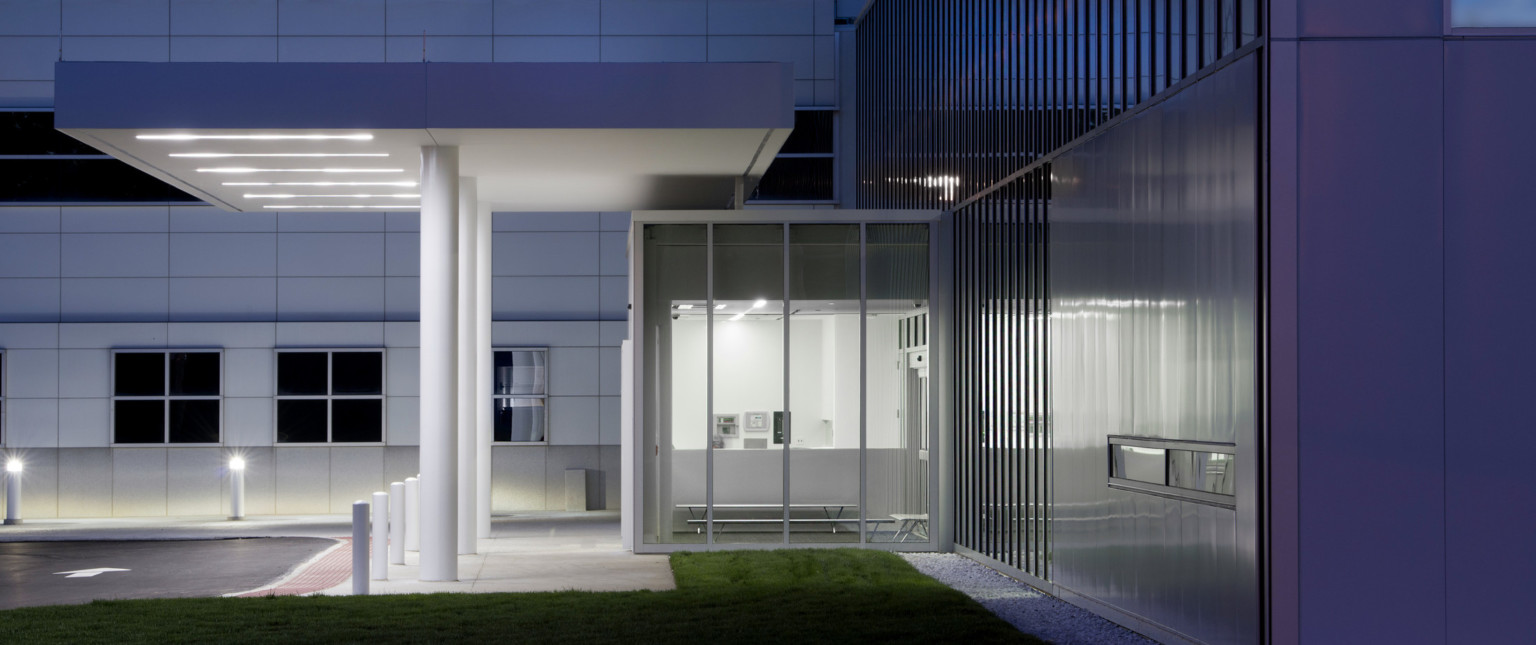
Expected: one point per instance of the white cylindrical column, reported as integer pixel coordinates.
(397, 523)
(485, 369)
(236, 488)
(467, 365)
(359, 548)
(412, 514)
(380, 536)
(13, 491)
(439, 363)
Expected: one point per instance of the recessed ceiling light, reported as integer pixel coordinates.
(363, 195)
(685, 306)
(339, 170)
(759, 303)
(222, 155)
(719, 307)
(406, 184)
(255, 137)
(738, 316)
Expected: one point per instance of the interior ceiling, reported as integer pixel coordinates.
(542, 169)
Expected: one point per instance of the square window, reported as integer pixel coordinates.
(139, 374)
(302, 373)
(357, 373)
(194, 421)
(519, 420)
(357, 420)
(301, 421)
(194, 374)
(520, 372)
(139, 421)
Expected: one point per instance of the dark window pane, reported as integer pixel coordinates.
(139, 375)
(357, 373)
(194, 421)
(138, 422)
(82, 180)
(32, 133)
(519, 420)
(301, 421)
(195, 374)
(301, 373)
(520, 372)
(796, 179)
(357, 420)
(812, 133)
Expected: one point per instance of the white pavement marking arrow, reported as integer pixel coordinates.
(88, 573)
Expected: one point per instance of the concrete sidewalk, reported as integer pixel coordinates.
(536, 551)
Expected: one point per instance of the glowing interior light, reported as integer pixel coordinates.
(251, 170)
(739, 316)
(364, 195)
(255, 137)
(13, 466)
(402, 184)
(685, 306)
(719, 307)
(759, 303)
(330, 207)
(236, 463)
(223, 155)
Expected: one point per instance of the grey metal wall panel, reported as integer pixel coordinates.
(1371, 335)
(1153, 285)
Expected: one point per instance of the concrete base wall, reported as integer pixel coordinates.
(137, 482)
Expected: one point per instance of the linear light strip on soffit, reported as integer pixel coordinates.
(362, 195)
(324, 207)
(223, 155)
(255, 137)
(335, 170)
(403, 184)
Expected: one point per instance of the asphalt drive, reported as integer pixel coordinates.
(30, 572)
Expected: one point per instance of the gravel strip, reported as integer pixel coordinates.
(1021, 605)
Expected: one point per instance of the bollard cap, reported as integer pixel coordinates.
(237, 463)
(13, 465)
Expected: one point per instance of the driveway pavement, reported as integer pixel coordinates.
(37, 573)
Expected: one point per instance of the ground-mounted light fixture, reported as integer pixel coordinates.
(237, 488)
(13, 468)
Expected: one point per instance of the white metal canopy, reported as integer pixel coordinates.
(538, 136)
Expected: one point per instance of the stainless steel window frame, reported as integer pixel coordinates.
(166, 397)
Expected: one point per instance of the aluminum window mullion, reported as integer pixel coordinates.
(863, 383)
(789, 417)
(709, 386)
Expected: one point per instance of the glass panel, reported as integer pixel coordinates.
(138, 421)
(82, 180)
(357, 420)
(797, 179)
(1493, 13)
(139, 374)
(195, 421)
(896, 373)
(301, 373)
(748, 363)
(357, 373)
(823, 382)
(1138, 464)
(675, 427)
(301, 421)
(519, 420)
(520, 372)
(1211, 472)
(813, 133)
(194, 374)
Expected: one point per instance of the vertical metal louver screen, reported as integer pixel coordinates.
(959, 104)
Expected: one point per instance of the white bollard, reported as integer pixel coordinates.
(380, 536)
(397, 523)
(413, 513)
(359, 548)
(13, 491)
(236, 488)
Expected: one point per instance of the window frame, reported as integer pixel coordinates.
(165, 397)
(1448, 11)
(330, 396)
(543, 397)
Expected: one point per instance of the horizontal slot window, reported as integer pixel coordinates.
(1182, 469)
(1139, 464)
(1210, 472)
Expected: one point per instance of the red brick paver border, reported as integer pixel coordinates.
(330, 569)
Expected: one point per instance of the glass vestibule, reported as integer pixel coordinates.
(784, 383)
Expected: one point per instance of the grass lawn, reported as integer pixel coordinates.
(789, 596)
